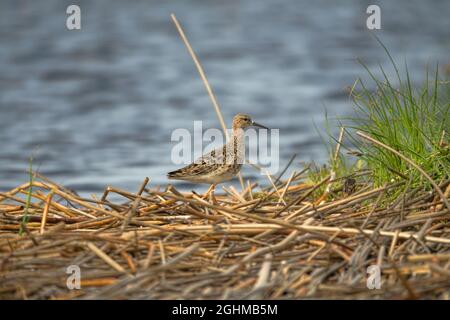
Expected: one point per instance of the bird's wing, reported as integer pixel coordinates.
(215, 156)
(205, 164)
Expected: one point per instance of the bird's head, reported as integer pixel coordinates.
(242, 121)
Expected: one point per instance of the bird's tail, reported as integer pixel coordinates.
(174, 174)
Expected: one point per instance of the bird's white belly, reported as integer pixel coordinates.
(215, 177)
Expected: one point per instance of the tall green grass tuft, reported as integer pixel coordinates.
(413, 121)
(28, 200)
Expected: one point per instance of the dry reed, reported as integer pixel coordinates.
(173, 245)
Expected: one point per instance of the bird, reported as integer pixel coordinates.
(221, 164)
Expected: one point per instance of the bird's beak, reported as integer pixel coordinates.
(259, 125)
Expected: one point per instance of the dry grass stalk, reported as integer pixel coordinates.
(249, 245)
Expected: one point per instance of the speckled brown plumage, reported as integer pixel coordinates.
(221, 164)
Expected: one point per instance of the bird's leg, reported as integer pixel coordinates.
(212, 198)
(208, 192)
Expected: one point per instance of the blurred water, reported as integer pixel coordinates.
(97, 106)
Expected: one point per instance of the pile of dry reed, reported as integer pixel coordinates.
(290, 241)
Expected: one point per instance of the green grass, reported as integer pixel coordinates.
(28, 200)
(415, 121)
(412, 121)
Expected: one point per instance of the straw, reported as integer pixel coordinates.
(177, 245)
